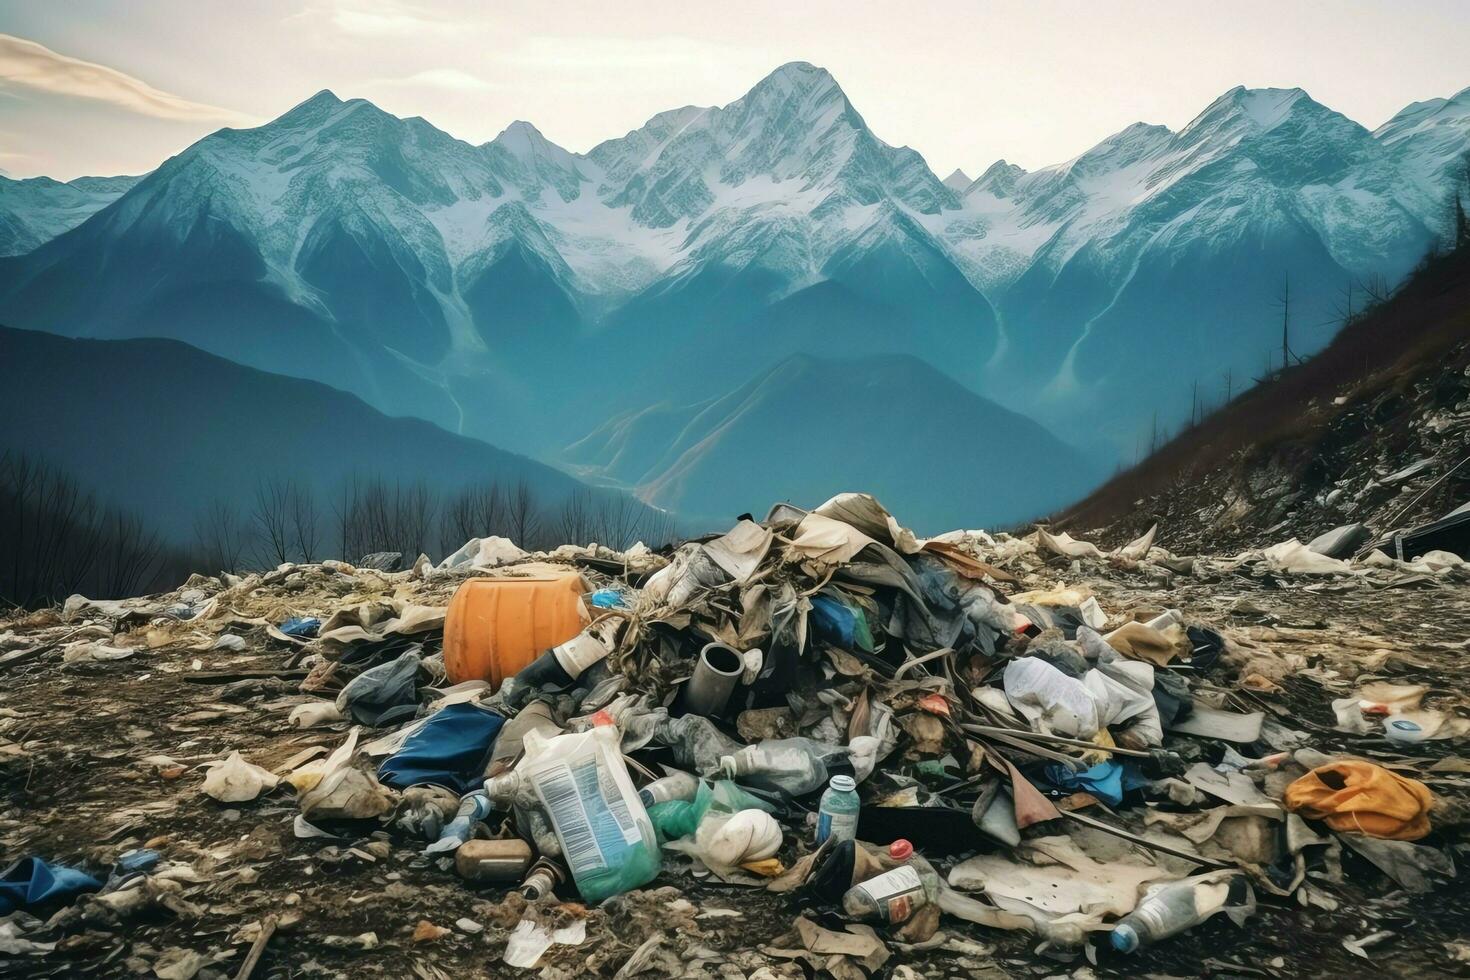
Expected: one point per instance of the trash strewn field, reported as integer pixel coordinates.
(1059, 752)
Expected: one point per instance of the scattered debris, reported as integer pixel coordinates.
(1015, 744)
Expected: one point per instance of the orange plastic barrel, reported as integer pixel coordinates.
(496, 626)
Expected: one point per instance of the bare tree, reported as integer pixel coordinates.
(618, 520)
(415, 507)
(658, 528)
(219, 536)
(272, 521)
(574, 519)
(523, 515)
(55, 539)
(475, 512)
(1284, 301)
(302, 517)
(132, 556)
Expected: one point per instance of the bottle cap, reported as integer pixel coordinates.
(900, 850)
(1403, 731)
(843, 784)
(1124, 938)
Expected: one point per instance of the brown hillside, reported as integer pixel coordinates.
(1389, 390)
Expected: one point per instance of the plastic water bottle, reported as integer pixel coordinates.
(679, 786)
(472, 809)
(793, 766)
(894, 896)
(1179, 906)
(837, 814)
(696, 743)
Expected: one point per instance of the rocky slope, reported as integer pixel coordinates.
(36, 210)
(1369, 431)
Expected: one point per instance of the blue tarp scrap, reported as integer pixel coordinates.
(450, 750)
(1107, 781)
(302, 627)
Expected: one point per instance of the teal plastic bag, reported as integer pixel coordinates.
(674, 819)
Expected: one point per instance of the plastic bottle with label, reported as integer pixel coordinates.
(515, 792)
(837, 814)
(895, 895)
(472, 809)
(1179, 906)
(556, 669)
(793, 766)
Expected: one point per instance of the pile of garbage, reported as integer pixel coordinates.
(903, 738)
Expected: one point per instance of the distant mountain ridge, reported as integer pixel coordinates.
(37, 209)
(924, 443)
(522, 293)
(163, 430)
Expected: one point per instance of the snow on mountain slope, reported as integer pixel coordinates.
(1430, 143)
(958, 181)
(382, 255)
(35, 210)
(1158, 251)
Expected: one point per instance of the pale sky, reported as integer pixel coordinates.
(92, 87)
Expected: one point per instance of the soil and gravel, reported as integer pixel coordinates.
(100, 757)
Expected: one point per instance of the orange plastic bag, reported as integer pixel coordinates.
(1360, 797)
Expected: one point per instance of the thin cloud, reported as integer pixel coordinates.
(451, 79)
(26, 64)
(377, 18)
(646, 53)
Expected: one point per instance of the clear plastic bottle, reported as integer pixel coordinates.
(514, 792)
(696, 743)
(793, 766)
(678, 786)
(1167, 910)
(837, 814)
(895, 895)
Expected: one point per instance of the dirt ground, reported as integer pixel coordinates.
(81, 784)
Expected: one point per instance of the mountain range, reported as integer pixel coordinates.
(526, 295)
(163, 431)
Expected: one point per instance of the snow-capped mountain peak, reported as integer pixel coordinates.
(391, 236)
(958, 181)
(532, 160)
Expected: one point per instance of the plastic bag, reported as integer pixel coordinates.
(723, 826)
(605, 834)
(680, 818)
